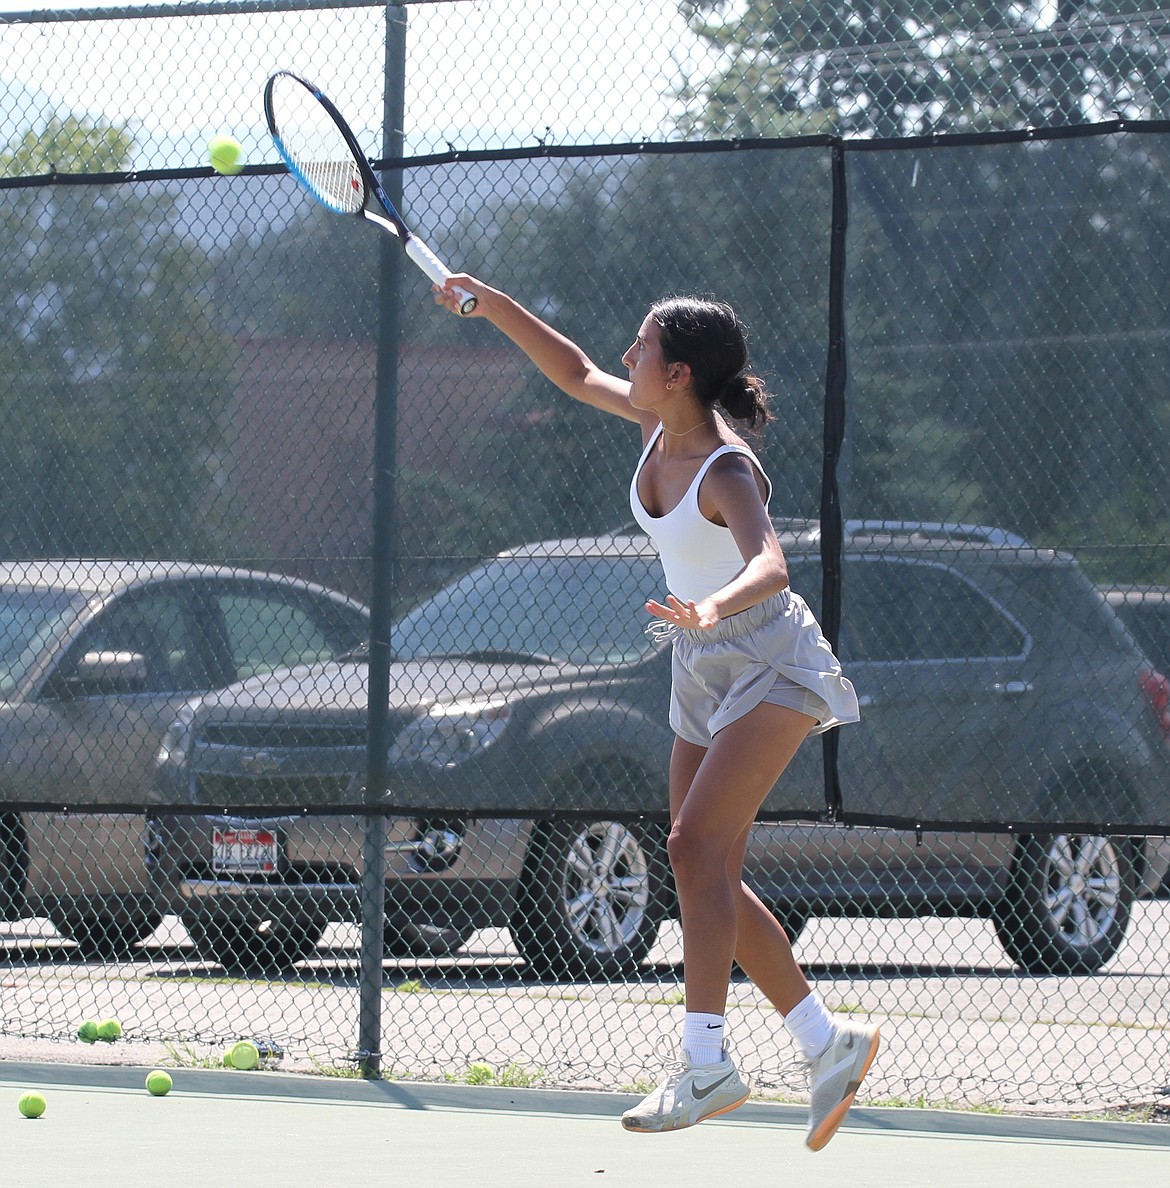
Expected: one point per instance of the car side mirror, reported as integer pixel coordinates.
(103, 672)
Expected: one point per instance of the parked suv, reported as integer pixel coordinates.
(997, 687)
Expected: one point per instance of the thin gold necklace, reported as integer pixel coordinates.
(676, 433)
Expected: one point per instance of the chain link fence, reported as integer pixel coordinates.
(946, 228)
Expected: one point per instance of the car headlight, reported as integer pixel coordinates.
(451, 734)
(176, 742)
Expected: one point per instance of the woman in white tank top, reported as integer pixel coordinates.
(752, 678)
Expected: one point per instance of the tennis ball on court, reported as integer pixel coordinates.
(31, 1104)
(226, 155)
(159, 1083)
(88, 1031)
(245, 1054)
(109, 1030)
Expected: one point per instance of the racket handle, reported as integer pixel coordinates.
(438, 272)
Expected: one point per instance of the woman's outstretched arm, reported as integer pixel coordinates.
(558, 358)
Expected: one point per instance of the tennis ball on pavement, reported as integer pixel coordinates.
(226, 154)
(245, 1054)
(31, 1104)
(88, 1031)
(109, 1030)
(159, 1083)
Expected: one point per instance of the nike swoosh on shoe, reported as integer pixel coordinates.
(699, 1092)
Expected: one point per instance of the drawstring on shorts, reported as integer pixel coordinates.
(662, 631)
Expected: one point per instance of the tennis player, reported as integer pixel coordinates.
(753, 677)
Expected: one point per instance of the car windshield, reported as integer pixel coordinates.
(575, 610)
(28, 618)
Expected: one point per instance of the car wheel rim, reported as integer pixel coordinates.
(1084, 888)
(606, 886)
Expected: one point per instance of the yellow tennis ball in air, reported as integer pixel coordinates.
(109, 1030)
(226, 154)
(159, 1083)
(31, 1104)
(245, 1054)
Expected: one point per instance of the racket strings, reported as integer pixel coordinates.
(314, 147)
(337, 183)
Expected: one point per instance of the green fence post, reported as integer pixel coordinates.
(373, 894)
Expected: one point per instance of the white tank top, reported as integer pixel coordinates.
(698, 557)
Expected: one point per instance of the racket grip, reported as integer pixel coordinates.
(438, 271)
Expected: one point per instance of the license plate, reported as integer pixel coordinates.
(244, 851)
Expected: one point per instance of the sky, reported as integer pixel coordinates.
(481, 73)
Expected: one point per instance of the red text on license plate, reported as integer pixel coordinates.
(245, 851)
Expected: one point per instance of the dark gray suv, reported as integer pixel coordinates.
(997, 687)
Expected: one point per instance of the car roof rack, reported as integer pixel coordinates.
(960, 533)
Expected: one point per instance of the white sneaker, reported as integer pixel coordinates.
(834, 1078)
(689, 1094)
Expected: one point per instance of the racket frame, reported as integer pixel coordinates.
(375, 207)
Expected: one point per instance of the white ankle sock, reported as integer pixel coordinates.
(703, 1037)
(810, 1025)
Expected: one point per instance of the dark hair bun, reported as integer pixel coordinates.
(745, 399)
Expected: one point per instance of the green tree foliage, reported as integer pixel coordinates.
(609, 236)
(114, 373)
(309, 275)
(1005, 304)
(871, 67)
(1007, 340)
(589, 245)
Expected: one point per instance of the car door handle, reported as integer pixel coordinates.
(1011, 688)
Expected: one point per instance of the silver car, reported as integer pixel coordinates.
(96, 658)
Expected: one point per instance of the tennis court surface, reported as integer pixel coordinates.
(230, 1128)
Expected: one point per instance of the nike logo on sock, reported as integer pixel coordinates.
(714, 1026)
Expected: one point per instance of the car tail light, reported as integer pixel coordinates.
(1156, 688)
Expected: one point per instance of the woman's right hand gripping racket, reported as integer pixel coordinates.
(324, 156)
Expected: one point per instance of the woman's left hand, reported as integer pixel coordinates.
(701, 616)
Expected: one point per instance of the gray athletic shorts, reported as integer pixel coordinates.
(773, 652)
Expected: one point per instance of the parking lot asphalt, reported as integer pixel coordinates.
(101, 1128)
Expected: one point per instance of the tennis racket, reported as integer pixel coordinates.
(323, 154)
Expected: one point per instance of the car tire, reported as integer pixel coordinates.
(590, 900)
(105, 938)
(1068, 902)
(407, 938)
(254, 946)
